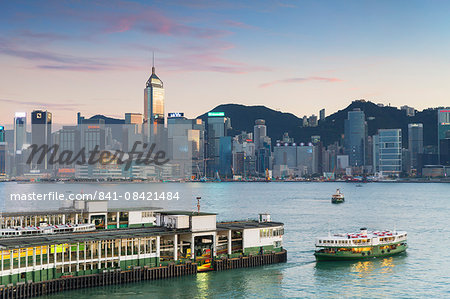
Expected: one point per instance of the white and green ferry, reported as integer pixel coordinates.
(362, 245)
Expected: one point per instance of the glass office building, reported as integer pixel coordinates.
(217, 128)
(355, 137)
(415, 143)
(41, 134)
(186, 145)
(443, 135)
(20, 134)
(389, 146)
(2, 134)
(154, 108)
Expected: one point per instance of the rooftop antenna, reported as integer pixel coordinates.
(153, 65)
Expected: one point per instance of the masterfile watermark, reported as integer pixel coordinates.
(97, 195)
(145, 156)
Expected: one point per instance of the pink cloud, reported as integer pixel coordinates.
(143, 18)
(59, 106)
(239, 24)
(301, 80)
(207, 59)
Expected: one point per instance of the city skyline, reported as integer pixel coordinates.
(84, 57)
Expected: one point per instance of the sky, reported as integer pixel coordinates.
(294, 56)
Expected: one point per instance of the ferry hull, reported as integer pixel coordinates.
(337, 200)
(375, 252)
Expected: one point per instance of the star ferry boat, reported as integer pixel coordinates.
(362, 245)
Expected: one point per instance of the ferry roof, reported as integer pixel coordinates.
(360, 235)
(186, 213)
(42, 240)
(68, 211)
(238, 225)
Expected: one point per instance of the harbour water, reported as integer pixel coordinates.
(421, 209)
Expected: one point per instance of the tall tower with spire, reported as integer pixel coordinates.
(153, 106)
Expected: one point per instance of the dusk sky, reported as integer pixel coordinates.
(294, 56)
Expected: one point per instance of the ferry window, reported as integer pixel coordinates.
(146, 214)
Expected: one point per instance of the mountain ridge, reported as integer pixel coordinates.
(332, 128)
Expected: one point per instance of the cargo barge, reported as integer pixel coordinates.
(167, 244)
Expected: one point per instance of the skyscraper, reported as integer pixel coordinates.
(312, 121)
(443, 134)
(355, 137)
(322, 114)
(2, 134)
(41, 134)
(389, 152)
(186, 145)
(263, 146)
(133, 118)
(244, 154)
(20, 133)
(219, 154)
(132, 130)
(259, 131)
(415, 143)
(153, 107)
(2, 158)
(2, 151)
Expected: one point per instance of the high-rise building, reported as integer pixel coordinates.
(153, 108)
(291, 159)
(355, 137)
(263, 146)
(322, 114)
(41, 134)
(305, 121)
(41, 127)
(284, 160)
(92, 135)
(68, 139)
(20, 133)
(415, 143)
(259, 131)
(3, 151)
(312, 121)
(443, 132)
(133, 118)
(186, 146)
(218, 146)
(444, 145)
(388, 144)
(2, 134)
(132, 130)
(410, 111)
(244, 162)
(307, 159)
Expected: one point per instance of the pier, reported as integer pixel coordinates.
(178, 243)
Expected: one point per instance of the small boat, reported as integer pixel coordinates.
(359, 185)
(362, 245)
(337, 197)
